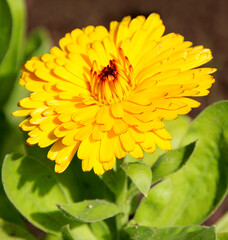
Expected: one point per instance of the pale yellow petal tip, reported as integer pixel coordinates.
(167, 146)
(21, 112)
(136, 155)
(98, 169)
(127, 19)
(50, 156)
(99, 173)
(155, 15)
(137, 152)
(109, 165)
(31, 141)
(213, 70)
(86, 165)
(22, 82)
(149, 150)
(16, 114)
(196, 104)
(212, 80)
(59, 168)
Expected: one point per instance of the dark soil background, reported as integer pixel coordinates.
(204, 22)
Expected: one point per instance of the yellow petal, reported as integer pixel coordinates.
(85, 113)
(130, 119)
(133, 107)
(37, 120)
(119, 126)
(69, 139)
(118, 148)
(147, 116)
(83, 132)
(25, 125)
(33, 140)
(64, 157)
(50, 122)
(127, 141)
(109, 165)
(97, 134)
(163, 133)
(60, 131)
(148, 126)
(98, 167)
(106, 149)
(137, 152)
(65, 116)
(149, 143)
(137, 135)
(56, 147)
(87, 147)
(28, 103)
(104, 118)
(117, 110)
(40, 96)
(163, 144)
(166, 114)
(46, 139)
(21, 112)
(93, 157)
(35, 132)
(122, 32)
(87, 165)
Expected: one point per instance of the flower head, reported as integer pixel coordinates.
(105, 93)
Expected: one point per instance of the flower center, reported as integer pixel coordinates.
(114, 82)
(110, 72)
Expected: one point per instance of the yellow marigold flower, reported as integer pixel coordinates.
(105, 93)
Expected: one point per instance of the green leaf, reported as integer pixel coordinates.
(67, 234)
(132, 198)
(89, 210)
(85, 185)
(200, 186)
(114, 180)
(222, 236)
(82, 232)
(7, 210)
(152, 207)
(140, 174)
(172, 233)
(101, 231)
(6, 28)
(13, 59)
(51, 237)
(171, 161)
(222, 224)
(4, 129)
(38, 43)
(140, 233)
(11, 138)
(35, 189)
(11, 231)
